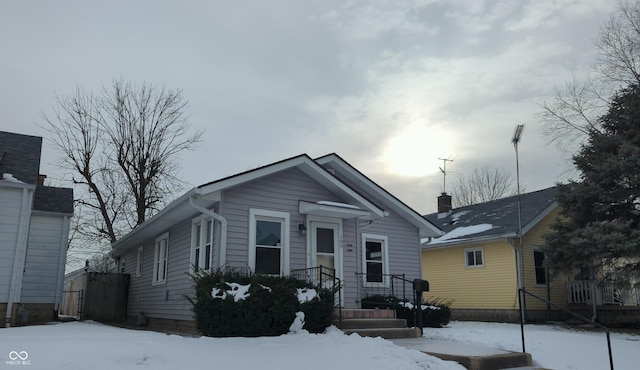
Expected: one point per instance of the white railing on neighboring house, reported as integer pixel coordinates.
(606, 293)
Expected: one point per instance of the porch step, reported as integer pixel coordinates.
(374, 323)
(386, 333)
(357, 313)
(370, 323)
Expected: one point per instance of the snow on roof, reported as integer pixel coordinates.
(460, 232)
(9, 177)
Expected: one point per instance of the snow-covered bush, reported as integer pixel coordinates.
(434, 314)
(231, 304)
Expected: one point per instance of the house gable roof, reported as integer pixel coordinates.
(309, 167)
(338, 164)
(209, 192)
(495, 219)
(20, 157)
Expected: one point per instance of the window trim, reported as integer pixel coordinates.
(203, 222)
(268, 215)
(139, 259)
(156, 260)
(466, 260)
(535, 268)
(385, 259)
(122, 265)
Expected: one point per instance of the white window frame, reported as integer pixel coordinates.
(122, 265)
(275, 216)
(466, 260)
(139, 258)
(161, 260)
(384, 240)
(203, 223)
(535, 275)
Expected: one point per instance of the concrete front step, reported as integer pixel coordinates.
(471, 356)
(371, 323)
(387, 333)
(354, 313)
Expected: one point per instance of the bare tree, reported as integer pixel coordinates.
(122, 147)
(482, 185)
(573, 110)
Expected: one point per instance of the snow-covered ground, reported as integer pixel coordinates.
(550, 346)
(90, 345)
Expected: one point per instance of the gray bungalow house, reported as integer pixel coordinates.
(282, 218)
(34, 232)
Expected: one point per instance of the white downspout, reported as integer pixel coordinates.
(223, 226)
(19, 258)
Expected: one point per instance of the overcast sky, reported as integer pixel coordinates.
(391, 86)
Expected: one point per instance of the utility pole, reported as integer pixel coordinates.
(519, 251)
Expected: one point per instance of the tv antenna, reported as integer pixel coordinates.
(443, 169)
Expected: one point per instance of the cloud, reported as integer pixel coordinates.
(370, 20)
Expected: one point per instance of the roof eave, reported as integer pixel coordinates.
(467, 241)
(425, 227)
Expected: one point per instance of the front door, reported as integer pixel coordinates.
(325, 249)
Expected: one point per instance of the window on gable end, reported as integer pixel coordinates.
(269, 242)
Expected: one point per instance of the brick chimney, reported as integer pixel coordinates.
(41, 179)
(444, 203)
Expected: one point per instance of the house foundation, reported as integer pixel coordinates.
(31, 313)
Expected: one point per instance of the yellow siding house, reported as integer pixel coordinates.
(475, 264)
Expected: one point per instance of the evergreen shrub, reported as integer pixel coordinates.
(434, 314)
(268, 309)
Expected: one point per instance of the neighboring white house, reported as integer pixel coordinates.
(286, 218)
(34, 232)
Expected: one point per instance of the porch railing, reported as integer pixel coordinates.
(323, 277)
(521, 295)
(384, 285)
(604, 293)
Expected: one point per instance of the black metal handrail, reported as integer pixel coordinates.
(571, 313)
(383, 284)
(323, 277)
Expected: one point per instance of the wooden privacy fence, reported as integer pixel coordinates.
(96, 296)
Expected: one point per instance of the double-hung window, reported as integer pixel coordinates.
(201, 244)
(375, 259)
(269, 242)
(538, 264)
(474, 257)
(160, 259)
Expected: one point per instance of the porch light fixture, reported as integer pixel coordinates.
(302, 229)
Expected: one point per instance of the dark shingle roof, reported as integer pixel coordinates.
(52, 199)
(20, 156)
(500, 217)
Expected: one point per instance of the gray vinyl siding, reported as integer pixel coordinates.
(150, 299)
(10, 207)
(40, 279)
(403, 238)
(279, 192)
